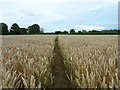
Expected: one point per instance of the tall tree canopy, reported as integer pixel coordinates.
(34, 29)
(4, 28)
(72, 31)
(15, 29)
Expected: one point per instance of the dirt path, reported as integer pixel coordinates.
(60, 79)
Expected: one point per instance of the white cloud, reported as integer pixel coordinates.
(99, 6)
(72, 12)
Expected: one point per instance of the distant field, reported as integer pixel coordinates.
(90, 61)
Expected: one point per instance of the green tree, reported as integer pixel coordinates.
(79, 32)
(84, 31)
(4, 28)
(72, 31)
(65, 32)
(15, 29)
(58, 32)
(34, 29)
(23, 30)
(93, 32)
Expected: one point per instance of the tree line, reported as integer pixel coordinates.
(92, 32)
(16, 30)
(35, 29)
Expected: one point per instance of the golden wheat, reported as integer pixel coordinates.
(26, 61)
(91, 61)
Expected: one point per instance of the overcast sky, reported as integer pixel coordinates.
(61, 15)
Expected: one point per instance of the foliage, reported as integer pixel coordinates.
(65, 32)
(72, 31)
(15, 29)
(23, 30)
(60, 32)
(34, 29)
(4, 28)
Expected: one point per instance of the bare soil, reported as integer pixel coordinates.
(60, 79)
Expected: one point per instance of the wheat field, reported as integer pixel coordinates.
(91, 61)
(26, 61)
